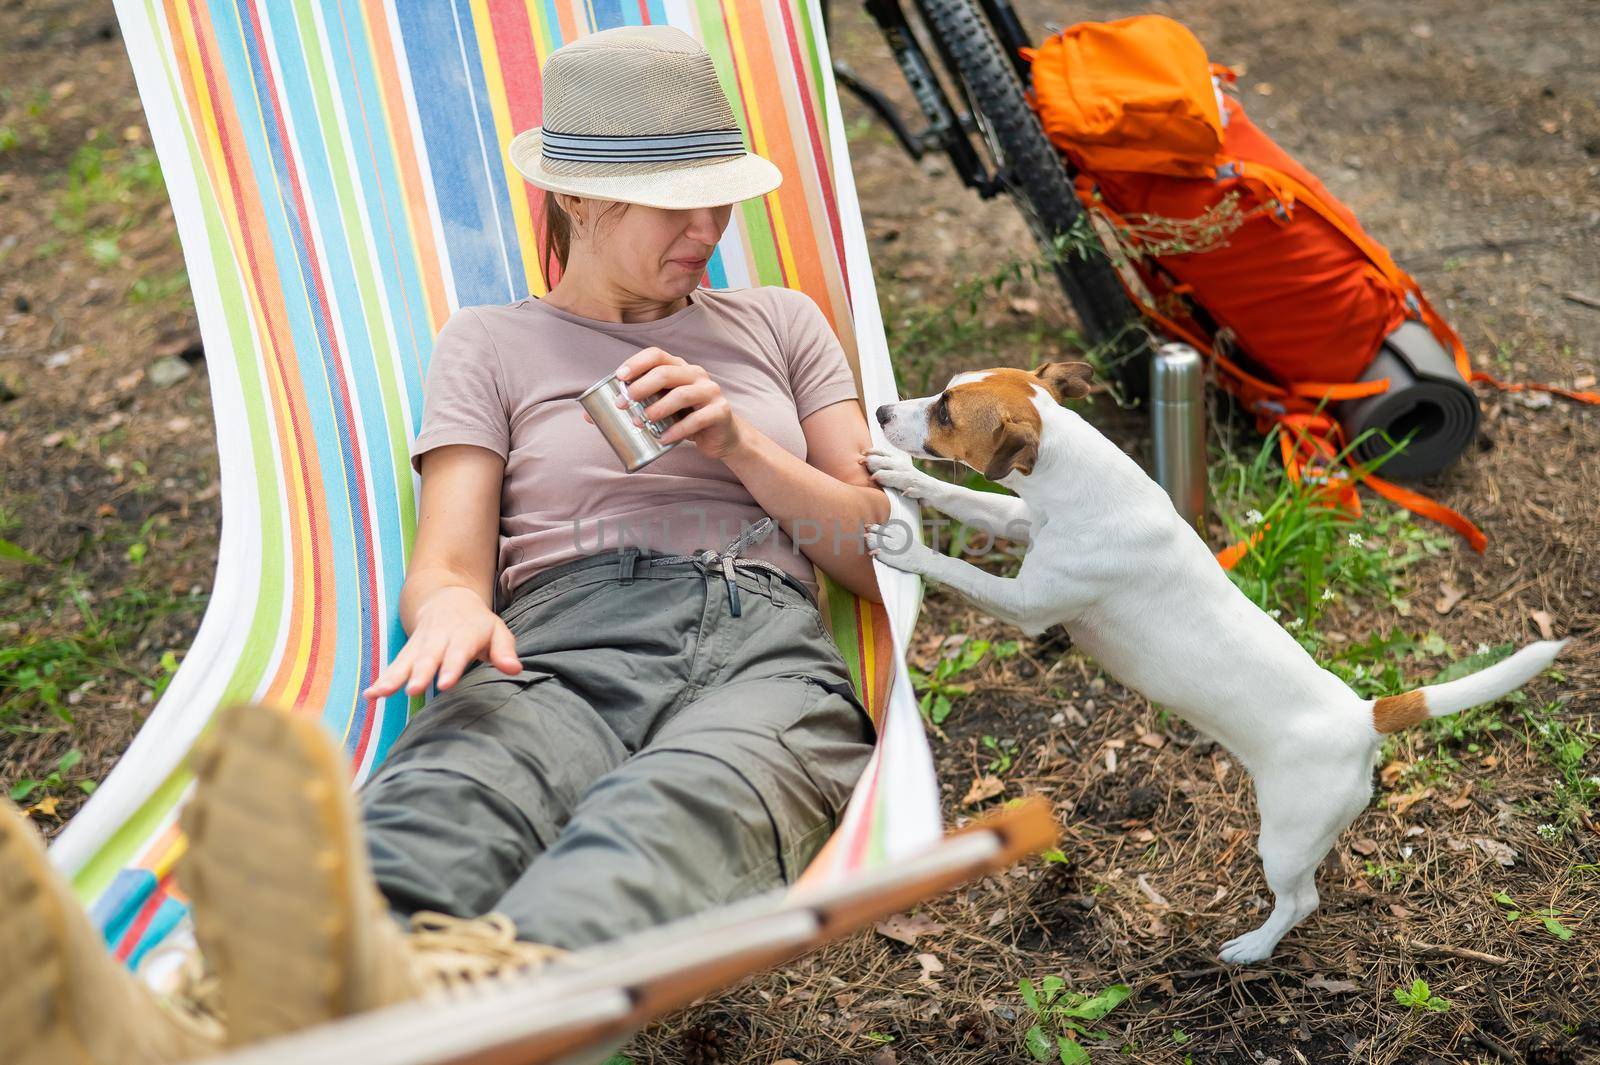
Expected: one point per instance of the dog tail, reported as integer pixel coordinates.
(1395, 712)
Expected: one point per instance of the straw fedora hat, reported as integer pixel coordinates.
(636, 113)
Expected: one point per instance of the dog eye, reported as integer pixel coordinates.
(941, 408)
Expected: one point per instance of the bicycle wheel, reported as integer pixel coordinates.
(1038, 180)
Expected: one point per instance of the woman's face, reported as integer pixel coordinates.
(652, 252)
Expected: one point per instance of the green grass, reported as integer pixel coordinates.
(37, 672)
(1311, 555)
(927, 340)
(102, 175)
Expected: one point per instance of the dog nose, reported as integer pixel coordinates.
(883, 414)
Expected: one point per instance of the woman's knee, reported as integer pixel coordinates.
(438, 839)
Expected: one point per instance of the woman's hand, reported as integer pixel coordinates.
(453, 629)
(709, 422)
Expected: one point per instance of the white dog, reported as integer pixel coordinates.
(1136, 587)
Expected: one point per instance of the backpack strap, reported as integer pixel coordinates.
(1311, 441)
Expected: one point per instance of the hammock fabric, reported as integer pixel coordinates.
(337, 176)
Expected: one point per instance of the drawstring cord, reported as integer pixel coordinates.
(724, 559)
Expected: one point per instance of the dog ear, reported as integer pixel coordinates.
(1066, 380)
(1017, 449)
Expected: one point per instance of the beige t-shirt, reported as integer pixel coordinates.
(507, 378)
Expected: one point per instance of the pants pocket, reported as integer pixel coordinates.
(803, 760)
(525, 738)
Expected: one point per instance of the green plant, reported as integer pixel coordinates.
(1567, 748)
(1004, 750)
(1390, 874)
(54, 781)
(939, 689)
(1304, 554)
(1550, 917)
(156, 289)
(918, 340)
(1061, 1016)
(38, 671)
(1420, 999)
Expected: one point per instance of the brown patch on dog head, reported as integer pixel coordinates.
(1066, 380)
(1395, 712)
(1017, 449)
(991, 424)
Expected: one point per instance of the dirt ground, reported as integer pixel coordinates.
(1467, 137)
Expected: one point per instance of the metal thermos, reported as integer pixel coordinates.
(635, 445)
(1177, 416)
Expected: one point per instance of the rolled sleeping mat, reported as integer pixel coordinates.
(1426, 395)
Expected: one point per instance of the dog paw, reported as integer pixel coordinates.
(1248, 948)
(892, 544)
(891, 468)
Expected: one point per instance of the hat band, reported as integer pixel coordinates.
(595, 148)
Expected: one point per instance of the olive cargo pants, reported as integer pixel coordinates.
(671, 744)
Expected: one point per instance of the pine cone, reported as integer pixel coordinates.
(715, 1039)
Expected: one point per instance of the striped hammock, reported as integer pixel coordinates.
(337, 175)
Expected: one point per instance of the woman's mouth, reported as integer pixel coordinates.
(692, 264)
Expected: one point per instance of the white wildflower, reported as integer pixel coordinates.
(1275, 612)
(1327, 594)
(1355, 540)
(1548, 832)
(1254, 517)
(1295, 624)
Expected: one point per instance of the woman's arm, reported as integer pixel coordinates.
(822, 502)
(830, 481)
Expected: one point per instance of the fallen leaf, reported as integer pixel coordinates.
(1390, 775)
(1263, 88)
(1401, 803)
(1024, 305)
(45, 807)
(1143, 835)
(1544, 621)
(983, 788)
(1333, 987)
(1503, 853)
(1365, 846)
(1155, 929)
(1400, 911)
(905, 928)
(930, 965)
(1153, 740)
(1449, 596)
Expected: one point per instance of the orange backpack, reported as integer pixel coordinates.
(1294, 298)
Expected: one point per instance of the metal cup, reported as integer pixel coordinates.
(635, 445)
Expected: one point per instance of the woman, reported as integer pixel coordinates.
(657, 726)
